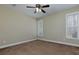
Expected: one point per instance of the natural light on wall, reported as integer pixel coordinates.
(72, 25)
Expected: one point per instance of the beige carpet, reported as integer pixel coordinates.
(39, 47)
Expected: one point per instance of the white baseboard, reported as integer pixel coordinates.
(13, 44)
(70, 44)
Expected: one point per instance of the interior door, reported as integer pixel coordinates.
(40, 28)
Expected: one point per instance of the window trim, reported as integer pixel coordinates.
(67, 37)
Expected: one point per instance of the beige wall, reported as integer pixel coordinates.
(54, 26)
(15, 27)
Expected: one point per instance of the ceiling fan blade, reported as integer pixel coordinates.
(45, 6)
(30, 7)
(43, 11)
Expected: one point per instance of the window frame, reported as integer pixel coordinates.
(67, 24)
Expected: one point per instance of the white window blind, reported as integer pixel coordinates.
(72, 26)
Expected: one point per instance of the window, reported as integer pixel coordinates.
(72, 26)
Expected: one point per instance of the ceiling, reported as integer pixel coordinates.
(30, 11)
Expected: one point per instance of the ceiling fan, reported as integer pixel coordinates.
(38, 8)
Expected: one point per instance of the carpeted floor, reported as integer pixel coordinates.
(39, 47)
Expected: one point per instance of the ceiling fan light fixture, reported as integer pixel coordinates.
(38, 10)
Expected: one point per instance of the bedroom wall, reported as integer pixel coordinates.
(15, 27)
(54, 27)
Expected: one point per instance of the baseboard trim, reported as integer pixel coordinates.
(65, 43)
(13, 44)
